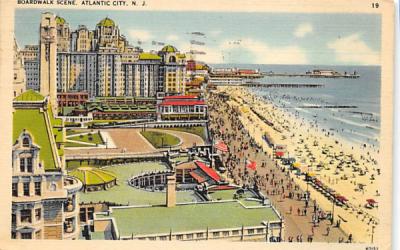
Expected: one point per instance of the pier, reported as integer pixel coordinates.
(283, 85)
(329, 107)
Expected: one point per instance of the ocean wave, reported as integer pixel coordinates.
(302, 110)
(362, 125)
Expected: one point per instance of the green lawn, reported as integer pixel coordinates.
(74, 131)
(34, 122)
(183, 218)
(90, 138)
(75, 144)
(197, 130)
(228, 195)
(73, 164)
(124, 194)
(160, 139)
(222, 194)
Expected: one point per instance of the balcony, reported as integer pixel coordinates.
(71, 184)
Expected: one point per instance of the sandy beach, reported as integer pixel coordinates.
(350, 170)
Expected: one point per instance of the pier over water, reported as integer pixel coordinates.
(283, 85)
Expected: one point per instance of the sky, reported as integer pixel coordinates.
(235, 37)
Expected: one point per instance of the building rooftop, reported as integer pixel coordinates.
(124, 194)
(30, 95)
(149, 56)
(191, 217)
(180, 97)
(93, 176)
(182, 103)
(34, 122)
(106, 22)
(169, 49)
(60, 20)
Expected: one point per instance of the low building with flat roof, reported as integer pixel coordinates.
(191, 221)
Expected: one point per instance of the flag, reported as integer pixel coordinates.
(251, 164)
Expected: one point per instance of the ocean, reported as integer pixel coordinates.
(359, 125)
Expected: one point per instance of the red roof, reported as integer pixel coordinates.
(209, 171)
(180, 97)
(182, 103)
(197, 177)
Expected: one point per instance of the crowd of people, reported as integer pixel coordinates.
(273, 179)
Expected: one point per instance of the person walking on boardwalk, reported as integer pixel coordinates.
(328, 229)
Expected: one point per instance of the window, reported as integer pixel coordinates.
(38, 234)
(26, 215)
(179, 237)
(26, 188)
(38, 214)
(38, 187)
(260, 230)
(163, 237)
(22, 165)
(90, 213)
(225, 233)
(200, 235)
(15, 189)
(13, 235)
(25, 142)
(250, 231)
(13, 219)
(29, 163)
(235, 232)
(189, 236)
(26, 235)
(216, 234)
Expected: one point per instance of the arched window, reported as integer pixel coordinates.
(53, 187)
(172, 59)
(25, 142)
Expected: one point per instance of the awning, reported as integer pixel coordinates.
(279, 153)
(197, 177)
(371, 201)
(208, 171)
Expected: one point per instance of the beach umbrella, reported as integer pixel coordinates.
(251, 164)
(221, 146)
(296, 164)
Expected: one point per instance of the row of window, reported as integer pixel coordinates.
(26, 236)
(26, 216)
(214, 234)
(26, 189)
(25, 165)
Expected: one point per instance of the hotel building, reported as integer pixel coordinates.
(102, 63)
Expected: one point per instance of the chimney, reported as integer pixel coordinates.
(171, 192)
